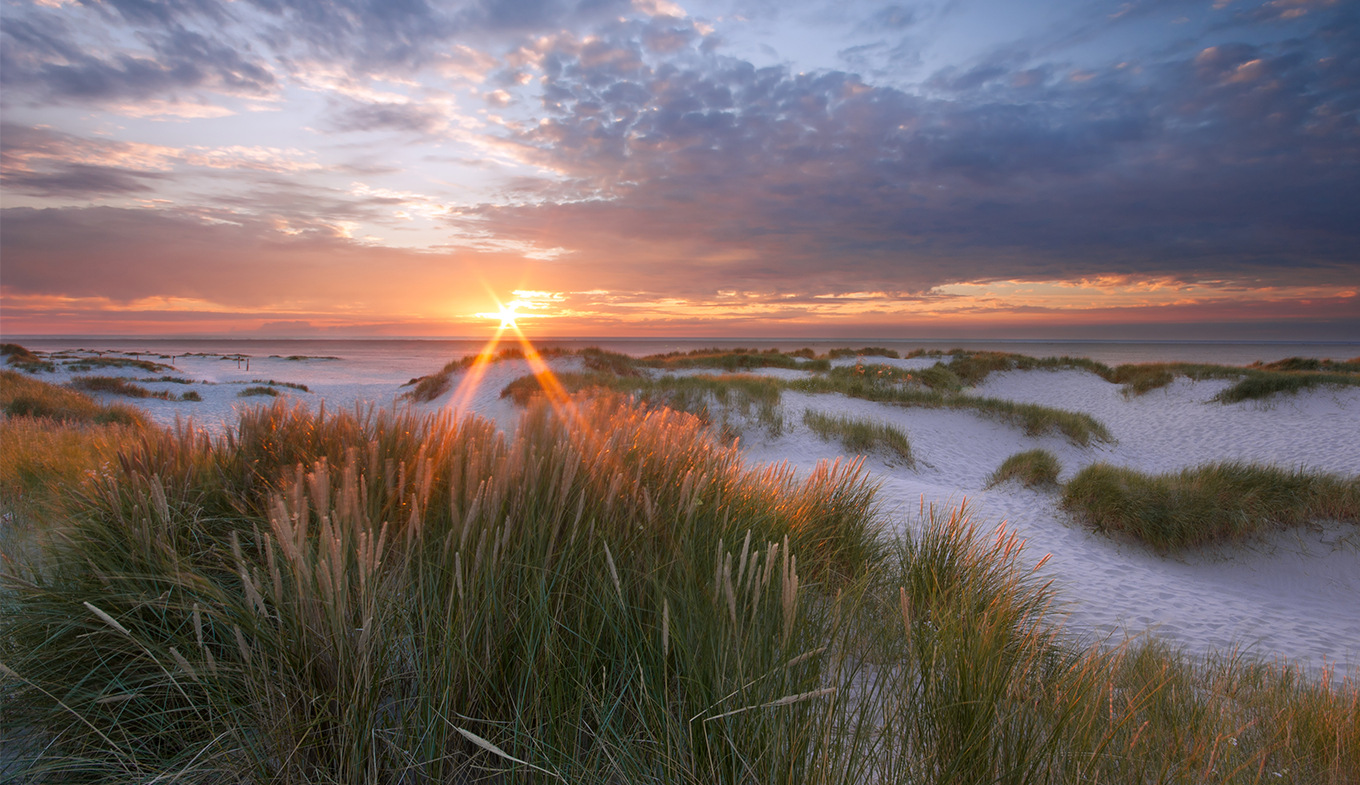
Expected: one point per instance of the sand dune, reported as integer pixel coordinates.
(1295, 595)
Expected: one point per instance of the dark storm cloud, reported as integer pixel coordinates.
(1241, 161)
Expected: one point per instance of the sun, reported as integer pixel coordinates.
(508, 315)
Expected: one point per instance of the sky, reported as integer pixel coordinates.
(1072, 169)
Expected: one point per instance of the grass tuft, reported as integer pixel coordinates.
(21, 396)
(1259, 386)
(609, 595)
(289, 385)
(1220, 502)
(1036, 468)
(85, 364)
(861, 436)
(258, 390)
(116, 385)
(866, 351)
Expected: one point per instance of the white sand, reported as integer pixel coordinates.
(1296, 595)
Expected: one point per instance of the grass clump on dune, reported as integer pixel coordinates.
(713, 399)
(1311, 364)
(1037, 468)
(866, 351)
(21, 396)
(116, 385)
(936, 377)
(607, 596)
(1219, 502)
(861, 436)
(91, 363)
(258, 390)
(1254, 382)
(1256, 387)
(1036, 420)
(24, 359)
(53, 440)
(738, 359)
(289, 385)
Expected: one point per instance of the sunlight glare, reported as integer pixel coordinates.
(508, 314)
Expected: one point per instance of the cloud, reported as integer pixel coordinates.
(53, 60)
(1237, 162)
(388, 116)
(226, 259)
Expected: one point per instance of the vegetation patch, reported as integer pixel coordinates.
(731, 360)
(936, 377)
(1036, 468)
(116, 385)
(21, 396)
(258, 390)
(861, 436)
(1311, 364)
(1215, 503)
(1259, 386)
(290, 385)
(428, 388)
(1077, 427)
(607, 596)
(867, 351)
(24, 359)
(85, 364)
(713, 399)
(1254, 382)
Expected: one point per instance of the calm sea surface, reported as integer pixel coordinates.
(398, 359)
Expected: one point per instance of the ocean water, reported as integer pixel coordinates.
(389, 360)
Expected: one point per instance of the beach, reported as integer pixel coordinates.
(1293, 595)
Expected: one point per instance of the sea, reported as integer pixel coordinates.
(385, 360)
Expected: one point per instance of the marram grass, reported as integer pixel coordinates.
(1214, 503)
(607, 596)
(861, 436)
(1037, 468)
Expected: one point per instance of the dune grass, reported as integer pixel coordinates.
(442, 603)
(607, 596)
(21, 396)
(865, 351)
(1265, 385)
(1311, 364)
(731, 360)
(1036, 420)
(1036, 468)
(258, 390)
(1254, 382)
(53, 440)
(1219, 502)
(725, 401)
(861, 436)
(85, 364)
(936, 377)
(24, 359)
(289, 385)
(393, 598)
(116, 385)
